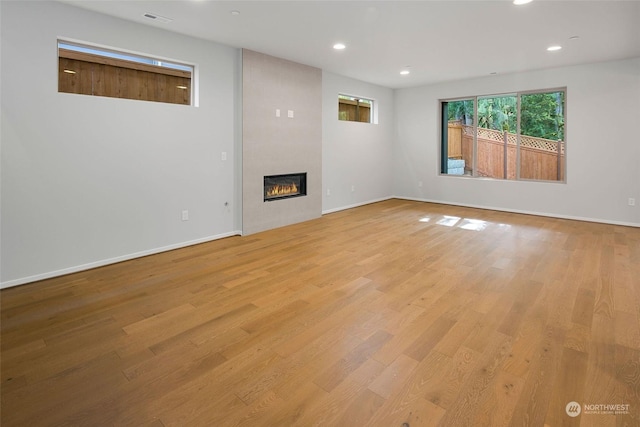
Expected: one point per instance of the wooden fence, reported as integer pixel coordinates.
(89, 74)
(539, 158)
(353, 111)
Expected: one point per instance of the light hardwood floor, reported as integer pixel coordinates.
(391, 313)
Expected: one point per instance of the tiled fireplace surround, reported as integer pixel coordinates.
(281, 134)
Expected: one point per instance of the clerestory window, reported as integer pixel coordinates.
(89, 70)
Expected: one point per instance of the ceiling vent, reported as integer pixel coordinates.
(158, 18)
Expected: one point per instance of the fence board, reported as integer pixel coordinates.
(538, 156)
(119, 82)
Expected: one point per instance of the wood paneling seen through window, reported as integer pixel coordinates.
(354, 109)
(92, 74)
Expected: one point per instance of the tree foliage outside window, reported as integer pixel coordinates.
(542, 114)
(497, 113)
(462, 111)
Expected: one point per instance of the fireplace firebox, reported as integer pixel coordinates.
(277, 187)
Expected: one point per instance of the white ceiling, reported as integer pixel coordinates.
(439, 40)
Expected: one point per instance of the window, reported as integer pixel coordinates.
(355, 109)
(457, 153)
(517, 136)
(88, 70)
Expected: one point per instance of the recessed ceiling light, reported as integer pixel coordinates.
(235, 12)
(554, 48)
(339, 46)
(404, 72)
(521, 2)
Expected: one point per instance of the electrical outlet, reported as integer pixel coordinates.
(632, 201)
(419, 183)
(185, 215)
(224, 156)
(290, 114)
(353, 188)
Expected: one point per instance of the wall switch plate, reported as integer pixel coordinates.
(353, 188)
(632, 201)
(185, 215)
(419, 183)
(277, 112)
(328, 192)
(224, 155)
(290, 114)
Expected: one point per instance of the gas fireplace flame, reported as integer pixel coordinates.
(282, 190)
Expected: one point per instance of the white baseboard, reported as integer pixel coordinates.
(518, 211)
(342, 208)
(101, 263)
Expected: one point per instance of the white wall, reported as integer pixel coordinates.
(90, 180)
(603, 153)
(355, 154)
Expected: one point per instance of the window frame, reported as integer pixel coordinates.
(372, 108)
(130, 60)
(518, 94)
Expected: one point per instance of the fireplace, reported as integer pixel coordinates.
(278, 187)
